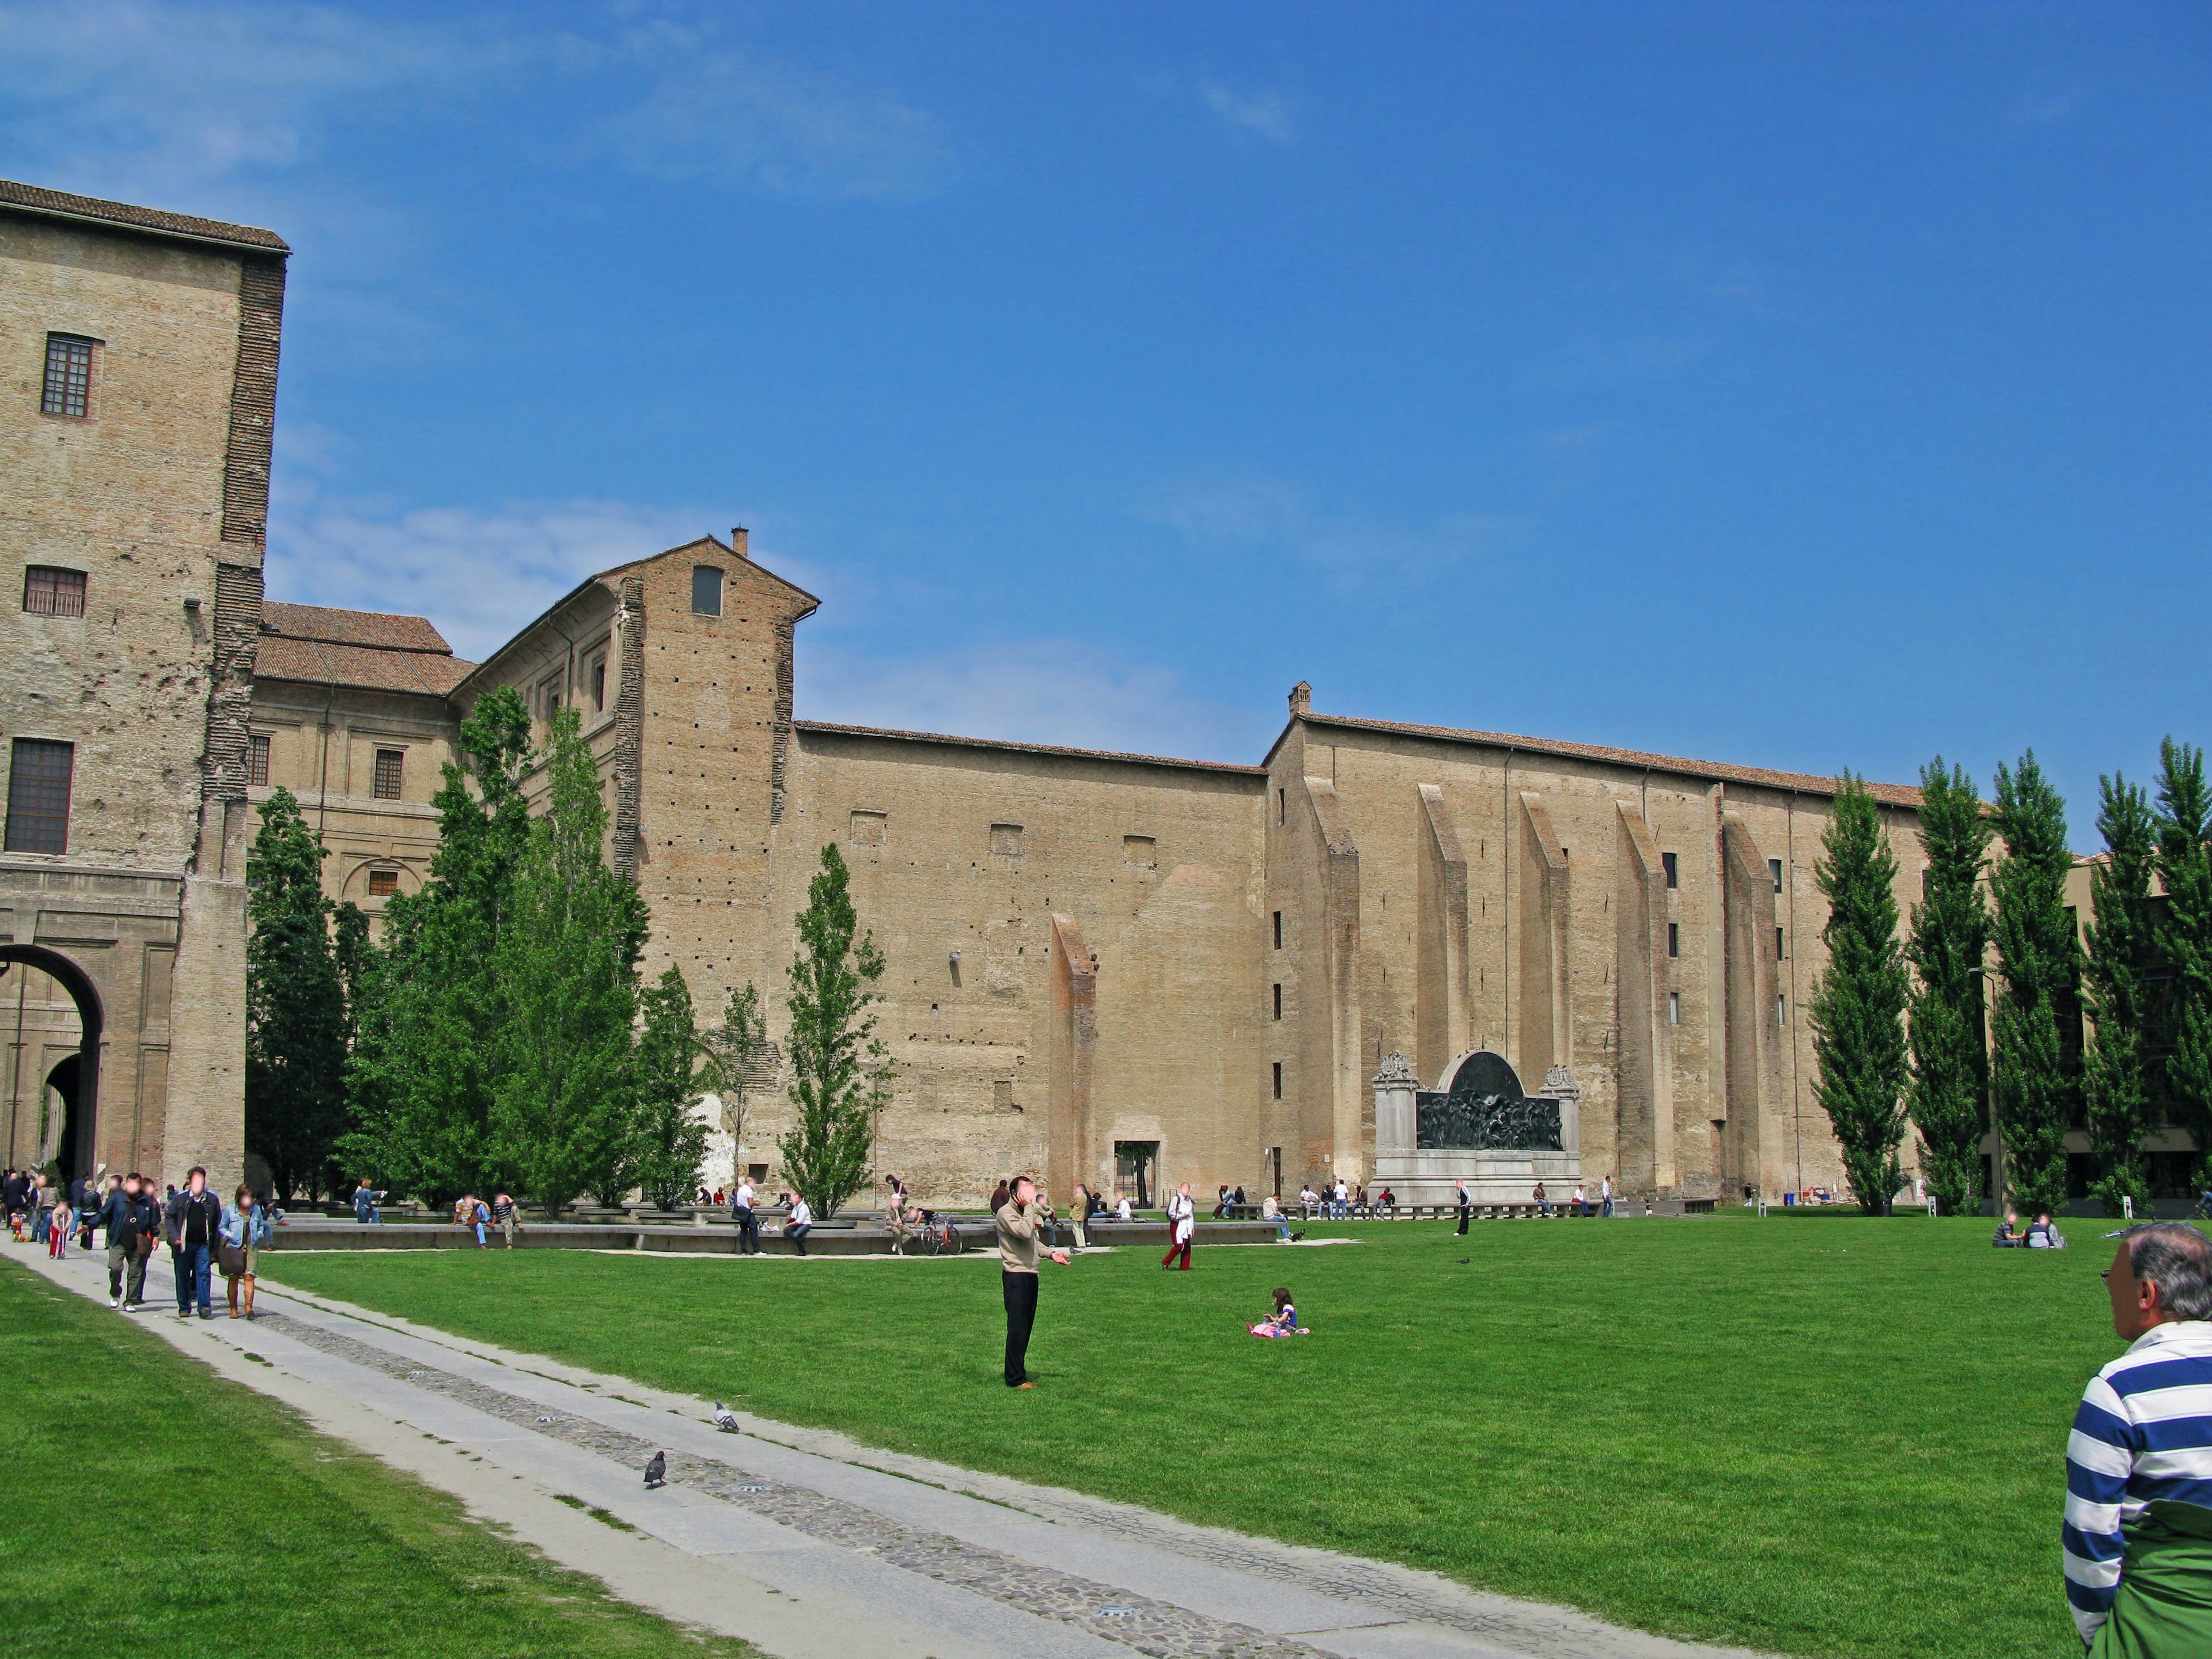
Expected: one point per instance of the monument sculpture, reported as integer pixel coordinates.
(1481, 1126)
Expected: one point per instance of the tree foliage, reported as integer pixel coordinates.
(2116, 986)
(1857, 1009)
(738, 1054)
(671, 1140)
(295, 1006)
(1950, 937)
(835, 1056)
(566, 965)
(426, 1063)
(2033, 1075)
(2183, 938)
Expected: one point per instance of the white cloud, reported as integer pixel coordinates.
(1027, 691)
(1258, 517)
(1265, 114)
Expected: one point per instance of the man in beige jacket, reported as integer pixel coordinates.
(1017, 1274)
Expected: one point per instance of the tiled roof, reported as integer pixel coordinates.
(368, 650)
(1027, 748)
(381, 629)
(1805, 783)
(60, 204)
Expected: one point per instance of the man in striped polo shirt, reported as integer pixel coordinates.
(2138, 1532)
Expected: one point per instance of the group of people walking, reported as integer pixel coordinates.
(205, 1236)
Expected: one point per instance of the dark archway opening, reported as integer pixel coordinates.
(78, 1077)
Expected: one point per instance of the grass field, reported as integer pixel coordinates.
(1816, 1434)
(156, 1508)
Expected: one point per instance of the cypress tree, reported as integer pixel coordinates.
(296, 1013)
(2183, 942)
(2032, 1081)
(834, 1051)
(2115, 986)
(1857, 1009)
(425, 1064)
(1950, 937)
(564, 1114)
(671, 1140)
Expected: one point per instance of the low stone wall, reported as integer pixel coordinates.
(976, 1234)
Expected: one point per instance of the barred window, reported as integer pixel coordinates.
(383, 883)
(257, 762)
(390, 764)
(69, 376)
(39, 795)
(49, 590)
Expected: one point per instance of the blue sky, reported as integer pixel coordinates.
(1800, 386)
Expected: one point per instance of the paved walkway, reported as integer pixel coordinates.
(814, 1547)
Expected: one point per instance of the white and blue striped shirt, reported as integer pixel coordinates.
(2143, 1433)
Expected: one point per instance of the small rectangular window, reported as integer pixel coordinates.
(39, 773)
(1278, 1079)
(1143, 851)
(706, 590)
(1673, 939)
(1279, 1002)
(391, 765)
(1774, 869)
(1280, 797)
(1781, 944)
(1279, 930)
(383, 883)
(549, 699)
(598, 685)
(52, 592)
(257, 762)
(68, 377)
(1673, 1007)
(1671, 864)
(1782, 1010)
(867, 829)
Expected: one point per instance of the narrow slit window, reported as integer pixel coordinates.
(1774, 869)
(1279, 930)
(49, 590)
(1672, 863)
(68, 377)
(1781, 944)
(1281, 796)
(598, 685)
(257, 762)
(1782, 1009)
(391, 767)
(1278, 1079)
(1673, 1007)
(39, 774)
(706, 590)
(1279, 1002)
(1673, 939)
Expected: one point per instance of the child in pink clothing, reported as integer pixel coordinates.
(1285, 1322)
(58, 1234)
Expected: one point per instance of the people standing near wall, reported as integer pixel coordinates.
(1182, 1225)
(246, 1228)
(748, 1220)
(1000, 1195)
(364, 1203)
(798, 1222)
(504, 1212)
(1605, 1196)
(191, 1224)
(42, 1208)
(1465, 1204)
(1078, 1215)
(1016, 1222)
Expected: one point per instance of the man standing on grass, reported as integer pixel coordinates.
(2138, 1530)
(189, 1224)
(1017, 1274)
(1459, 1198)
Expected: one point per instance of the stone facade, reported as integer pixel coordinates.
(145, 498)
(1100, 958)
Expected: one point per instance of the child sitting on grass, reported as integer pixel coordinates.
(1285, 1320)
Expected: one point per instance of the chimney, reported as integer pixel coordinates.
(738, 543)
(1302, 699)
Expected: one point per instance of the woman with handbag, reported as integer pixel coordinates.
(246, 1228)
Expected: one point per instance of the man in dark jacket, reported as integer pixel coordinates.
(191, 1225)
(131, 1221)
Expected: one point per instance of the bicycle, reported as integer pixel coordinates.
(937, 1235)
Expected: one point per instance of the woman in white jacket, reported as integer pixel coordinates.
(1182, 1223)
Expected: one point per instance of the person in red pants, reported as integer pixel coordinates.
(1182, 1222)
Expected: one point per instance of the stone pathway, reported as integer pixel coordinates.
(805, 1542)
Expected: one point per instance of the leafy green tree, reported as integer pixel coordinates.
(2032, 1076)
(426, 1062)
(1857, 1009)
(353, 955)
(564, 1103)
(738, 1054)
(295, 1011)
(671, 1140)
(1950, 937)
(2116, 990)
(2183, 1023)
(835, 1058)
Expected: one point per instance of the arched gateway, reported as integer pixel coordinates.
(53, 1103)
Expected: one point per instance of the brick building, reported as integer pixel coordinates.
(139, 384)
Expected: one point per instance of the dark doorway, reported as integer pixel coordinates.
(78, 1077)
(1136, 1169)
(62, 1081)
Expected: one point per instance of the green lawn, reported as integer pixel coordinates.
(1817, 1434)
(156, 1508)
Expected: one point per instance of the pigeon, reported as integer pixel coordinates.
(656, 1469)
(725, 1418)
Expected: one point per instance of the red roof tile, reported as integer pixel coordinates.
(60, 204)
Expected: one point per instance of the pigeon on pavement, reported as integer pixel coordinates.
(656, 1469)
(725, 1418)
